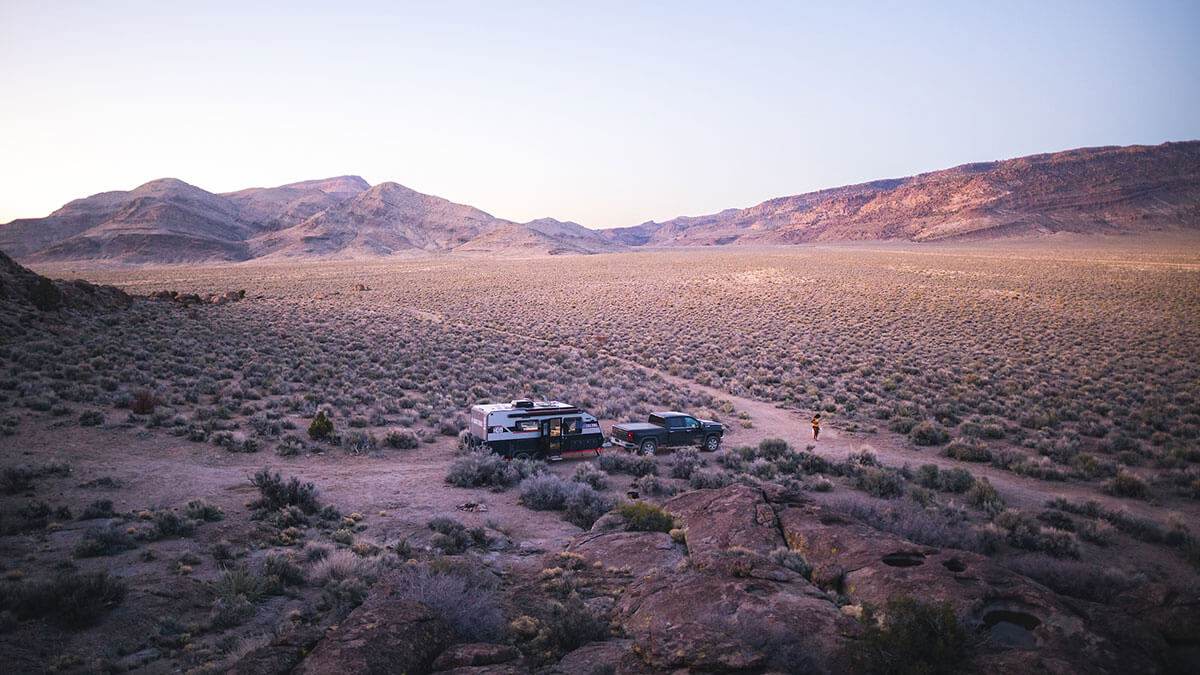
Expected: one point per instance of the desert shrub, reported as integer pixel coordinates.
(928, 433)
(1057, 519)
(812, 463)
(548, 492)
(107, 539)
(280, 570)
(906, 519)
(16, 479)
(70, 600)
(927, 476)
(1076, 579)
(321, 427)
(144, 402)
(359, 442)
(643, 516)
(583, 507)
(860, 459)
(772, 448)
(483, 468)
(901, 425)
(967, 451)
(920, 495)
(275, 494)
(556, 628)
(627, 464)
(654, 486)
(401, 439)
(684, 463)
(913, 637)
(880, 483)
(1023, 531)
(330, 568)
(101, 508)
(238, 581)
(201, 510)
(1143, 529)
(588, 473)
(91, 418)
(984, 496)
(467, 602)
(763, 469)
(1097, 532)
(793, 560)
(454, 538)
(344, 594)
(170, 524)
(702, 480)
(992, 431)
(45, 295)
(1127, 484)
(1094, 467)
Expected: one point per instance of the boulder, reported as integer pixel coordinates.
(475, 654)
(639, 551)
(734, 516)
(587, 659)
(384, 635)
(279, 656)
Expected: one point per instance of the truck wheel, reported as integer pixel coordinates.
(649, 447)
(711, 443)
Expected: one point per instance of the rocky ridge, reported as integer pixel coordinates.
(1107, 190)
(168, 221)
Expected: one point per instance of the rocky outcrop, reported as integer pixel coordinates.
(724, 603)
(384, 635)
(22, 290)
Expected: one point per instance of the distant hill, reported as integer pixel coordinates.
(1110, 190)
(168, 221)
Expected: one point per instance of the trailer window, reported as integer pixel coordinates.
(572, 425)
(527, 425)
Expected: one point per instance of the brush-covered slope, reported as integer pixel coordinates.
(1110, 190)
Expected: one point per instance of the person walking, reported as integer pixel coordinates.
(816, 422)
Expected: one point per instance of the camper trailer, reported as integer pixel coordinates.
(526, 429)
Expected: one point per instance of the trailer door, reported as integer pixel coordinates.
(552, 436)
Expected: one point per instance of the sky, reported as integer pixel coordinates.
(605, 113)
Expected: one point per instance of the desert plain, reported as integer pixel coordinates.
(1025, 413)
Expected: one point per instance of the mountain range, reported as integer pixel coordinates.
(1107, 190)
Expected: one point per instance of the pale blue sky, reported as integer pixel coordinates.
(606, 113)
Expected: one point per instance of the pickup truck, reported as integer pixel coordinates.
(667, 429)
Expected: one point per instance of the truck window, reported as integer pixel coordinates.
(657, 419)
(691, 423)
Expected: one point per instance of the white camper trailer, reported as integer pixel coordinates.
(525, 429)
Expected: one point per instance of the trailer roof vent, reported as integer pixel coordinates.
(522, 403)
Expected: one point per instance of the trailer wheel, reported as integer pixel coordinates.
(649, 447)
(522, 455)
(712, 442)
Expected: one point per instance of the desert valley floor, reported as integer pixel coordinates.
(1027, 414)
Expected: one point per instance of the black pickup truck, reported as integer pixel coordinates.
(666, 429)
